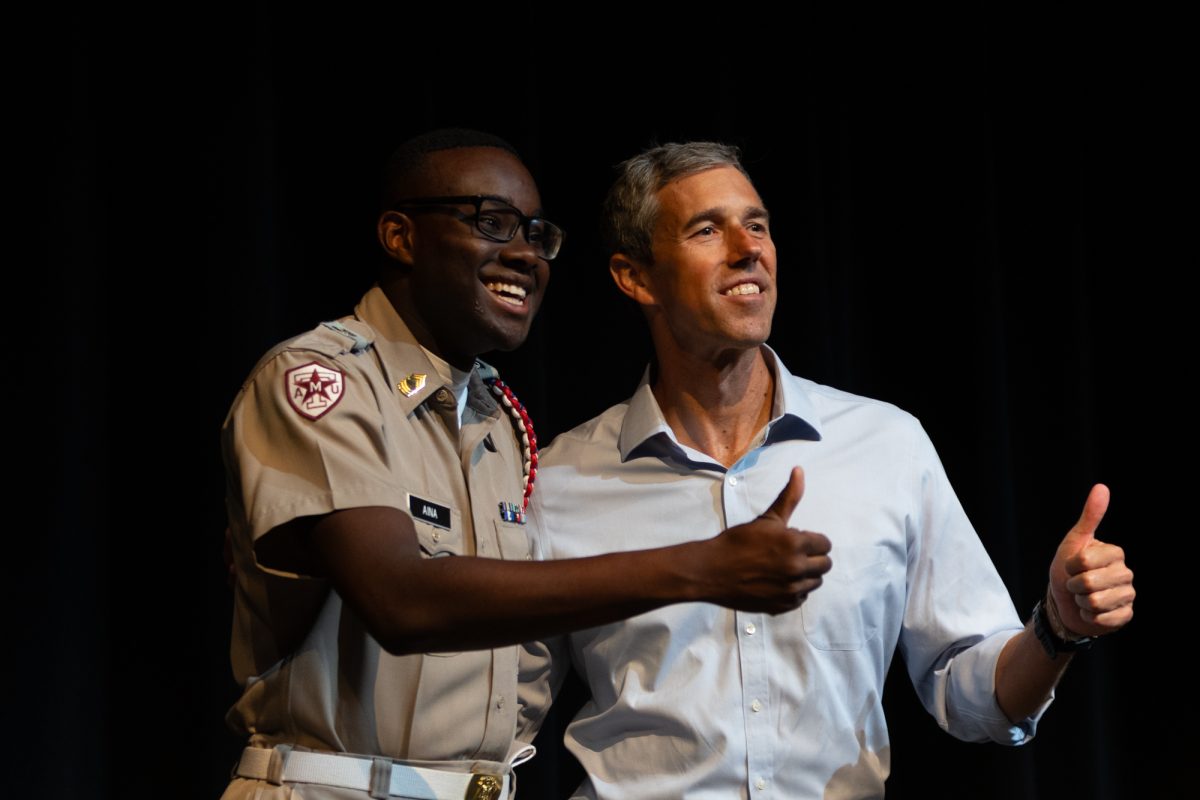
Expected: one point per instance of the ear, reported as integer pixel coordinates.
(632, 278)
(395, 232)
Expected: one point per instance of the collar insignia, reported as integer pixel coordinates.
(414, 383)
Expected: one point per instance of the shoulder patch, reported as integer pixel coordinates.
(313, 389)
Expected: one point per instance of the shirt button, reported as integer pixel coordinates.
(733, 480)
(750, 628)
(500, 701)
(760, 784)
(437, 536)
(442, 395)
(756, 707)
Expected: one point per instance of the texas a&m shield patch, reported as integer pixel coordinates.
(313, 389)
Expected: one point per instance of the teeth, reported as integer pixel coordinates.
(507, 292)
(743, 288)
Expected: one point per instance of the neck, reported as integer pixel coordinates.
(716, 405)
(395, 287)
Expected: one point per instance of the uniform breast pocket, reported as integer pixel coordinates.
(437, 540)
(844, 612)
(514, 541)
(439, 528)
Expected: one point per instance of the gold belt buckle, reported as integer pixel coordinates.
(484, 787)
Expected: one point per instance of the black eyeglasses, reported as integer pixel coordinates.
(498, 221)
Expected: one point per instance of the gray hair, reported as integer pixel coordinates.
(631, 207)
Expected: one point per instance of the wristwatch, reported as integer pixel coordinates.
(1052, 643)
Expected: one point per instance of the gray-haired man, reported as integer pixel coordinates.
(694, 701)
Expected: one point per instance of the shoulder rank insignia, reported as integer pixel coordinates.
(313, 389)
(414, 383)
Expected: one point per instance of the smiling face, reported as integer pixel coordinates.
(461, 293)
(711, 286)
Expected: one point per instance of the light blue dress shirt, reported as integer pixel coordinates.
(698, 701)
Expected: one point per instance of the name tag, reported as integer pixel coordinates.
(429, 511)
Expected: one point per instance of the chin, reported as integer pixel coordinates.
(507, 341)
(752, 338)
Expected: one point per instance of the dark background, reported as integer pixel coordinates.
(978, 217)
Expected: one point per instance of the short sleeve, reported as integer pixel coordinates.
(306, 436)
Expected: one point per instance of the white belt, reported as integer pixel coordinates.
(379, 777)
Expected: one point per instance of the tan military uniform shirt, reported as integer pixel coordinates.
(353, 414)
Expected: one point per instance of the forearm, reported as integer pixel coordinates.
(1026, 675)
(1090, 594)
(473, 603)
(410, 603)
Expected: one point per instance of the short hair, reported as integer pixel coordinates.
(631, 207)
(407, 161)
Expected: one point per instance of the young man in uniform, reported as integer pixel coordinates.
(695, 701)
(368, 458)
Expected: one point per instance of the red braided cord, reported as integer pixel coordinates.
(524, 426)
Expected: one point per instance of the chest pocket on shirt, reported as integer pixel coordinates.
(436, 541)
(514, 541)
(843, 613)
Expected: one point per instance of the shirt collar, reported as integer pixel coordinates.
(412, 376)
(645, 432)
(793, 415)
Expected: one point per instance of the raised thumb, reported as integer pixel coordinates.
(789, 498)
(1084, 531)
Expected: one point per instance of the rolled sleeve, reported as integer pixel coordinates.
(959, 615)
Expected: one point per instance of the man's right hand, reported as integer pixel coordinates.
(764, 565)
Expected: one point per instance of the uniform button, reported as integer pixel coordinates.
(437, 536)
(500, 701)
(733, 480)
(442, 395)
(528, 557)
(751, 628)
(760, 784)
(756, 706)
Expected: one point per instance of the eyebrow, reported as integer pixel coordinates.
(508, 201)
(715, 214)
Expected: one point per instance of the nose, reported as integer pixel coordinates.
(745, 249)
(518, 252)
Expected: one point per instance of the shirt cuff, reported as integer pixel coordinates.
(971, 710)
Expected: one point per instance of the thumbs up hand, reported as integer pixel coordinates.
(763, 565)
(1090, 585)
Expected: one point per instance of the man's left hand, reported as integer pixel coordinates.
(1090, 584)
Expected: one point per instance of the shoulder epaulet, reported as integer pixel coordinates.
(333, 339)
(359, 342)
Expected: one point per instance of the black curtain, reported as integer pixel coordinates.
(977, 219)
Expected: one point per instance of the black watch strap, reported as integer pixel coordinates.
(1051, 642)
